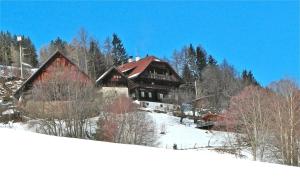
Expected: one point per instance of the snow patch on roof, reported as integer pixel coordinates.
(134, 75)
(103, 75)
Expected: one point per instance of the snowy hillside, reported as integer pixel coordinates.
(184, 135)
(30, 155)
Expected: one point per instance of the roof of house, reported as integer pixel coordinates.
(41, 68)
(137, 67)
(107, 72)
(141, 65)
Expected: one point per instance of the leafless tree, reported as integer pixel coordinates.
(62, 104)
(286, 120)
(122, 123)
(221, 82)
(181, 97)
(249, 114)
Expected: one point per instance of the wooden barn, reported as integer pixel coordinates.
(147, 79)
(57, 66)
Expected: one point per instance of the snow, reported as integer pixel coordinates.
(134, 75)
(185, 135)
(8, 111)
(157, 106)
(26, 65)
(31, 155)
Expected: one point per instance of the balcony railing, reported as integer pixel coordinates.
(159, 76)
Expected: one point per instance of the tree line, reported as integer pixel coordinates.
(10, 50)
(84, 50)
(207, 77)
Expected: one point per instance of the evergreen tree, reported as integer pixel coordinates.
(201, 60)
(248, 78)
(29, 52)
(5, 44)
(96, 66)
(9, 50)
(119, 54)
(211, 61)
(187, 74)
(58, 44)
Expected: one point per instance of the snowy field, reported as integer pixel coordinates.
(30, 155)
(184, 135)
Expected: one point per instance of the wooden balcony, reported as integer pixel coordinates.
(160, 77)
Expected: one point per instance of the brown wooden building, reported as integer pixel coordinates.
(148, 79)
(57, 63)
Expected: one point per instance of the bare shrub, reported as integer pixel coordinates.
(250, 119)
(123, 123)
(267, 121)
(62, 104)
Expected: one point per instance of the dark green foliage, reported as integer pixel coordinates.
(211, 61)
(58, 44)
(248, 78)
(6, 41)
(96, 66)
(201, 60)
(187, 74)
(9, 50)
(119, 54)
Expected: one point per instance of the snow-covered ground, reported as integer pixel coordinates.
(184, 135)
(25, 154)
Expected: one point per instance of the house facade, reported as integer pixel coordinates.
(147, 79)
(57, 67)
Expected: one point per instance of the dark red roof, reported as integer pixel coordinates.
(137, 67)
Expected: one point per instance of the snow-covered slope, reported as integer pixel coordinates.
(184, 135)
(31, 155)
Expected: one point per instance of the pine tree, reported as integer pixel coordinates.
(201, 60)
(5, 43)
(211, 61)
(9, 50)
(119, 54)
(58, 44)
(187, 74)
(96, 66)
(107, 51)
(248, 78)
(29, 52)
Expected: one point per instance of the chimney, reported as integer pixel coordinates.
(137, 58)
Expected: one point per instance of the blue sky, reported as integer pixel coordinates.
(261, 36)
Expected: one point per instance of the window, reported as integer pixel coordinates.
(142, 94)
(150, 95)
(133, 95)
(117, 77)
(160, 95)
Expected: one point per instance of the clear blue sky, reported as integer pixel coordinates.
(261, 36)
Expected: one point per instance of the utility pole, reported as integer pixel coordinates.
(19, 39)
(196, 89)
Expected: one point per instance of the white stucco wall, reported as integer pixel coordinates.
(108, 91)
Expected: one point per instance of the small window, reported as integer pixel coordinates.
(161, 96)
(150, 95)
(142, 94)
(133, 95)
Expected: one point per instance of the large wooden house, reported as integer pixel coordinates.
(56, 64)
(148, 79)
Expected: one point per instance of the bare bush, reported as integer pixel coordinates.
(123, 123)
(286, 121)
(62, 104)
(267, 121)
(249, 112)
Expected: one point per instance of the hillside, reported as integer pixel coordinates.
(30, 155)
